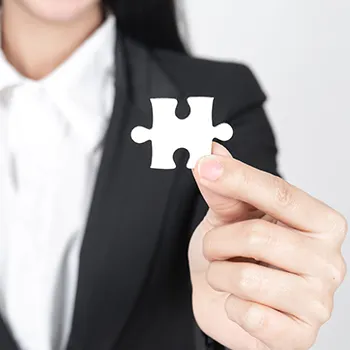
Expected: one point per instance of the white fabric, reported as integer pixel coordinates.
(50, 151)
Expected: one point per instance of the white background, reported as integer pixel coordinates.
(300, 51)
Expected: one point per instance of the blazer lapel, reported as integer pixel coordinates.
(117, 250)
(6, 339)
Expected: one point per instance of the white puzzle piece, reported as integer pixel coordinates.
(169, 133)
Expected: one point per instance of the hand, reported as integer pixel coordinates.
(266, 260)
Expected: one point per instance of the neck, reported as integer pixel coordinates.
(36, 47)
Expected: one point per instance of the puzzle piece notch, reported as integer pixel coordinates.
(223, 132)
(170, 133)
(141, 134)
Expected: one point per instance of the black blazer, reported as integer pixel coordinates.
(134, 290)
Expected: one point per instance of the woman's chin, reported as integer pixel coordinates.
(59, 10)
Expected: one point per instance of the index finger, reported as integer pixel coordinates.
(268, 193)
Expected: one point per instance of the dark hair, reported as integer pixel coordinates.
(151, 22)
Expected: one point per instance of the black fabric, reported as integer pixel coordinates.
(134, 290)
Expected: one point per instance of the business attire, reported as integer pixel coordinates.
(93, 241)
(51, 138)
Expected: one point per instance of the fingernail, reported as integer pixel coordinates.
(209, 168)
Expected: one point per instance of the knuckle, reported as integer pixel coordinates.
(321, 311)
(260, 238)
(250, 283)
(256, 227)
(254, 318)
(283, 193)
(338, 225)
(209, 245)
(338, 271)
(342, 224)
(334, 274)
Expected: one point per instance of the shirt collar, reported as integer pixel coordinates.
(82, 87)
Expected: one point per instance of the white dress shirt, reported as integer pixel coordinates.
(50, 150)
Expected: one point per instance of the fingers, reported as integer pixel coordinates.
(264, 241)
(223, 209)
(273, 328)
(279, 290)
(231, 179)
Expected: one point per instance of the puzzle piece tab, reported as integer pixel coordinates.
(169, 133)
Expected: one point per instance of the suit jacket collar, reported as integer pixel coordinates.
(116, 255)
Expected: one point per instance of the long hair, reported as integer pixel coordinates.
(151, 22)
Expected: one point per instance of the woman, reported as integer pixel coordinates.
(101, 252)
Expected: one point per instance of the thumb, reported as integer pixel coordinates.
(222, 210)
